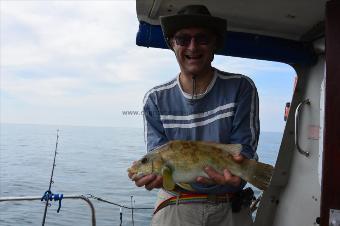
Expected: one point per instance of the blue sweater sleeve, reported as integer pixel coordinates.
(153, 128)
(246, 125)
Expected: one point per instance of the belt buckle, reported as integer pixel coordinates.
(212, 198)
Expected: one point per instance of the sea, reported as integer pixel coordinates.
(90, 161)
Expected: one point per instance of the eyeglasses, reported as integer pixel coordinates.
(199, 39)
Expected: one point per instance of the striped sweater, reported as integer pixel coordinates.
(226, 113)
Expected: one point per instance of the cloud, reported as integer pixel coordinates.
(49, 87)
(88, 38)
(58, 30)
(67, 57)
(141, 64)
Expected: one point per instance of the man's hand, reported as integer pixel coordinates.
(218, 178)
(150, 181)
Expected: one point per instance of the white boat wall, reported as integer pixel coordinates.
(305, 188)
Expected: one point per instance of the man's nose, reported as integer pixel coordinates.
(193, 43)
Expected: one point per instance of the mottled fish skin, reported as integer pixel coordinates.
(187, 159)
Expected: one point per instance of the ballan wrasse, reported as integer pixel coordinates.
(182, 162)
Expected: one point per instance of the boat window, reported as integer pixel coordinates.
(275, 84)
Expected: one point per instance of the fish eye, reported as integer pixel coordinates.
(144, 160)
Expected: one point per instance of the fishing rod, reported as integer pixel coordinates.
(48, 192)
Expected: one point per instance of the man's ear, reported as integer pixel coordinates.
(171, 42)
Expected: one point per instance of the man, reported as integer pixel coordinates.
(201, 103)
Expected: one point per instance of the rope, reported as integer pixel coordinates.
(116, 204)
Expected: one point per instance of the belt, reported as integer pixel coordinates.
(195, 198)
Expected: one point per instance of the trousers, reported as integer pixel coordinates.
(202, 214)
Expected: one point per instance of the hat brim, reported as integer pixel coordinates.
(171, 24)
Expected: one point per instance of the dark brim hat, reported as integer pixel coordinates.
(194, 16)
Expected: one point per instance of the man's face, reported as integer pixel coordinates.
(194, 49)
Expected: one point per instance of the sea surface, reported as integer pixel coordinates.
(90, 160)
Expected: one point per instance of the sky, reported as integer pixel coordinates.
(76, 63)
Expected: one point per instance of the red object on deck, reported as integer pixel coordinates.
(330, 188)
(287, 108)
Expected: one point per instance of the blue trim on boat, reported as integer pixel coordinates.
(244, 45)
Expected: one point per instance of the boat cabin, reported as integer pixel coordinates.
(305, 188)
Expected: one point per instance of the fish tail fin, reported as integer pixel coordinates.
(258, 174)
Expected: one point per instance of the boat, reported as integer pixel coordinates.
(305, 34)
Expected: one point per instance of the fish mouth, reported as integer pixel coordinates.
(131, 170)
(134, 171)
(136, 176)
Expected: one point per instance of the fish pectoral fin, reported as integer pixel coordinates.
(186, 186)
(168, 182)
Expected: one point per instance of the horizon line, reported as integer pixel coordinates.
(96, 126)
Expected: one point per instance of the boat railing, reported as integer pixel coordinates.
(34, 198)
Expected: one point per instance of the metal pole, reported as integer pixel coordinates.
(32, 198)
(120, 216)
(133, 222)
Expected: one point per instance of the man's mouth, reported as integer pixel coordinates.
(194, 57)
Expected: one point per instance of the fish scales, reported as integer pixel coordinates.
(190, 155)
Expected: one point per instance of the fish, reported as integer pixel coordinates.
(181, 162)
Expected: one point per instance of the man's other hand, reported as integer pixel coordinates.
(219, 178)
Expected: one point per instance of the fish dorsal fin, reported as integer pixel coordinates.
(168, 182)
(233, 149)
